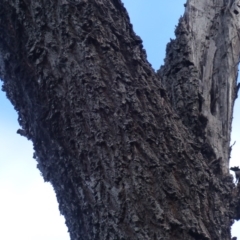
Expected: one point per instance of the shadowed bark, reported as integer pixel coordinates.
(131, 154)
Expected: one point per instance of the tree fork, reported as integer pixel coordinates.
(125, 160)
(206, 56)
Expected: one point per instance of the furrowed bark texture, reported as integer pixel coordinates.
(124, 161)
(200, 71)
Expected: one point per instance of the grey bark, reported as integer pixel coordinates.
(127, 159)
(200, 73)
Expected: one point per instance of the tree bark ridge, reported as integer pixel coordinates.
(200, 72)
(105, 135)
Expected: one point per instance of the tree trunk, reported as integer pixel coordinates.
(200, 72)
(130, 153)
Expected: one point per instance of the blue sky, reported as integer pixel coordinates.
(28, 207)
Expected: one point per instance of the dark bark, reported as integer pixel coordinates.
(124, 161)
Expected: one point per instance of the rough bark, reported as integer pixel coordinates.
(200, 71)
(125, 160)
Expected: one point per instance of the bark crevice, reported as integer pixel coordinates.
(127, 157)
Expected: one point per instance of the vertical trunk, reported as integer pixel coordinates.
(123, 163)
(200, 72)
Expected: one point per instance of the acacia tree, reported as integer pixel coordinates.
(131, 154)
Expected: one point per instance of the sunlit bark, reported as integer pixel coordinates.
(200, 73)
